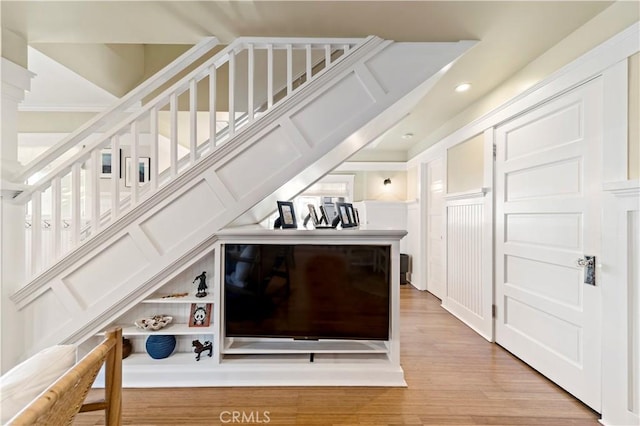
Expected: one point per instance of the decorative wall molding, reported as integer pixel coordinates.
(474, 193)
(627, 188)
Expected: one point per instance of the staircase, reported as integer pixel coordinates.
(279, 114)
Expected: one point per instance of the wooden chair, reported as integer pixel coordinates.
(65, 398)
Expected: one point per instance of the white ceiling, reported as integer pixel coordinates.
(511, 34)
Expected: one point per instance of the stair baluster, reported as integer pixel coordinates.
(76, 185)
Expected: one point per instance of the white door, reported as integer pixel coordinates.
(435, 229)
(548, 179)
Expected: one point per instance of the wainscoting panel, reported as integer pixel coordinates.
(465, 287)
(319, 119)
(90, 281)
(183, 216)
(634, 312)
(259, 162)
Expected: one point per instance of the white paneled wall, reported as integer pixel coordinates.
(466, 288)
(634, 311)
(464, 256)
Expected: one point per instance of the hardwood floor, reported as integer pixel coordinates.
(455, 377)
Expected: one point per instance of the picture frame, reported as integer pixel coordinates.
(329, 212)
(107, 161)
(314, 214)
(352, 214)
(323, 216)
(346, 217)
(144, 170)
(287, 214)
(200, 315)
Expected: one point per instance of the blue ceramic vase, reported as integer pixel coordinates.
(160, 346)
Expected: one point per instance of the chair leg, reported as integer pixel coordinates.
(113, 382)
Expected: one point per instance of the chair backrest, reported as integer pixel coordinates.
(64, 399)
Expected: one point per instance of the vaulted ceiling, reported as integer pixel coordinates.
(510, 33)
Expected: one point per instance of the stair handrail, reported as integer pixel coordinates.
(133, 125)
(45, 277)
(218, 59)
(108, 116)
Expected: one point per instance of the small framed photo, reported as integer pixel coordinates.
(353, 215)
(329, 213)
(287, 214)
(200, 315)
(144, 171)
(346, 215)
(313, 214)
(107, 159)
(324, 217)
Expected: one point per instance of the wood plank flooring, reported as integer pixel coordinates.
(455, 377)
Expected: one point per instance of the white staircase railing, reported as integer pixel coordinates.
(114, 170)
(110, 117)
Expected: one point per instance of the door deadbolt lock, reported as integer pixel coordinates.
(589, 265)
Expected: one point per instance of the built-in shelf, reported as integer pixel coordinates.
(286, 346)
(178, 359)
(185, 299)
(173, 329)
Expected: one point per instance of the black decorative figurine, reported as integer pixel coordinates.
(199, 348)
(202, 286)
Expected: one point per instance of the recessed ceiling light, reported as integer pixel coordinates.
(463, 87)
(407, 136)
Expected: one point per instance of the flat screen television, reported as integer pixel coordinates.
(307, 292)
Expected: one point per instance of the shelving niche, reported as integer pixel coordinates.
(183, 357)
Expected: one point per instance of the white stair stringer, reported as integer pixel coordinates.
(322, 124)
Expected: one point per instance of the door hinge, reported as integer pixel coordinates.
(495, 151)
(494, 310)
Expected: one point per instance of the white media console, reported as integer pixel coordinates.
(266, 361)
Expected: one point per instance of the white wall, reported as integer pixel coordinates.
(465, 165)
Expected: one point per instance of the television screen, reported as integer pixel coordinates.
(307, 291)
